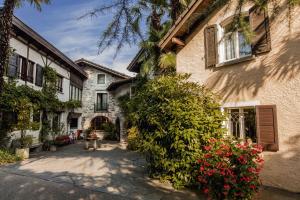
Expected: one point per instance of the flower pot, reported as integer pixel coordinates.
(22, 153)
(53, 148)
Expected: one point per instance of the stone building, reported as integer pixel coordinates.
(100, 105)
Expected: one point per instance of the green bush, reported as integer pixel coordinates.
(6, 157)
(111, 131)
(23, 142)
(133, 138)
(174, 118)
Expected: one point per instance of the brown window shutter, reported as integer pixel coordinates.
(210, 37)
(267, 133)
(259, 22)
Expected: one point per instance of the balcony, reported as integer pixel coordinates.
(101, 107)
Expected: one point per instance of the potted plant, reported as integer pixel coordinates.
(23, 108)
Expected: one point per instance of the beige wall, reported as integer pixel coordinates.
(272, 78)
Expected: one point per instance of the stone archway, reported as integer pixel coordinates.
(97, 122)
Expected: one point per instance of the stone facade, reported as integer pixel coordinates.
(92, 88)
(272, 78)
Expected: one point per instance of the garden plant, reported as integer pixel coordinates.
(229, 169)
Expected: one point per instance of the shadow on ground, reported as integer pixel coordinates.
(73, 173)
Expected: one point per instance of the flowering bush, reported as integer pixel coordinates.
(229, 170)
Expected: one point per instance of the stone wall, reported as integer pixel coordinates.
(89, 96)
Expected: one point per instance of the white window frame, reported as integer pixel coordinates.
(98, 79)
(221, 44)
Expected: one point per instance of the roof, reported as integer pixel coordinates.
(21, 29)
(134, 65)
(186, 22)
(102, 68)
(115, 85)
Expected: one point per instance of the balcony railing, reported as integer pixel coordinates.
(101, 107)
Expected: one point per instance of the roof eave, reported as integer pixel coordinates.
(43, 42)
(166, 42)
(103, 68)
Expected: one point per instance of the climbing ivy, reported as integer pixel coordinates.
(45, 100)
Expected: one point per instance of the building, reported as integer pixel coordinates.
(258, 83)
(100, 99)
(31, 53)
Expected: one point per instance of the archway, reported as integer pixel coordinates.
(98, 122)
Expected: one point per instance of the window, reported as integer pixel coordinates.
(23, 74)
(39, 76)
(101, 79)
(242, 123)
(59, 83)
(74, 123)
(30, 71)
(13, 66)
(75, 93)
(36, 116)
(233, 43)
(101, 103)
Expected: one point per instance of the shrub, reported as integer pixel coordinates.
(23, 142)
(229, 170)
(111, 131)
(174, 118)
(6, 157)
(133, 138)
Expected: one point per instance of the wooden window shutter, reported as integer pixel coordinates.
(267, 133)
(259, 22)
(211, 51)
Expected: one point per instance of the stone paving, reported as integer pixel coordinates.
(111, 173)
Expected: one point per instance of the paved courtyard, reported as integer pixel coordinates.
(109, 173)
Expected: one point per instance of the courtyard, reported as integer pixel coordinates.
(111, 172)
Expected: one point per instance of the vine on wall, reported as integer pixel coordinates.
(45, 101)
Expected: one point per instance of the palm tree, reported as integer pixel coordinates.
(6, 16)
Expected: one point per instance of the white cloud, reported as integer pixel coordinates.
(79, 38)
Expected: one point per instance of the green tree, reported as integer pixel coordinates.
(6, 16)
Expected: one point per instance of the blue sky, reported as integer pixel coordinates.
(59, 24)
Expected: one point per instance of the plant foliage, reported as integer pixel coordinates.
(174, 118)
(229, 170)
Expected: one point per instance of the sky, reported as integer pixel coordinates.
(77, 38)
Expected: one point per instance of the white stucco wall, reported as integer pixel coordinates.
(20, 47)
(270, 79)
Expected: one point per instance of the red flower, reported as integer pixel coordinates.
(253, 187)
(219, 152)
(201, 168)
(207, 155)
(212, 140)
(259, 160)
(227, 187)
(206, 190)
(207, 148)
(242, 160)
